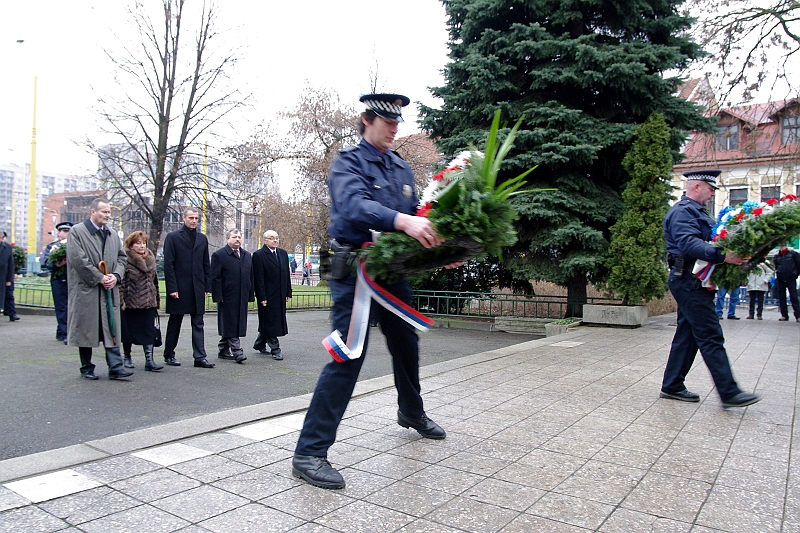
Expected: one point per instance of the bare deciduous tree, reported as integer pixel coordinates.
(752, 45)
(172, 92)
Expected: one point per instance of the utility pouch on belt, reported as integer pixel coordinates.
(343, 260)
(678, 265)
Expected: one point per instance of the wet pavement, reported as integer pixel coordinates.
(563, 434)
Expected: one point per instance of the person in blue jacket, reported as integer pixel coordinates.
(371, 188)
(687, 229)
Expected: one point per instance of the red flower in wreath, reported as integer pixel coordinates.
(757, 211)
(772, 201)
(740, 216)
(423, 211)
(790, 197)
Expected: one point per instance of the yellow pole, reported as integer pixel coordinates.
(32, 212)
(13, 236)
(203, 227)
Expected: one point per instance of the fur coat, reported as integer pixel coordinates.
(139, 288)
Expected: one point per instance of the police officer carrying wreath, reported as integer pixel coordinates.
(371, 188)
(58, 279)
(687, 228)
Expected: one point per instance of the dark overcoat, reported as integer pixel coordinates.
(232, 288)
(187, 271)
(273, 284)
(6, 269)
(87, 306)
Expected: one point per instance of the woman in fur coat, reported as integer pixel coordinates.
(140, 299)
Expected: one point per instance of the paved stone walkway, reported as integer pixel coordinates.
(564, 434)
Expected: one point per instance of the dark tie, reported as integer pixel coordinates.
(236, 252)
(275, 253)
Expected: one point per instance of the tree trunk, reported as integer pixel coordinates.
(576, 296)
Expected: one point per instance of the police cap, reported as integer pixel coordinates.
(64, 226)
(388, 106)
(709, 176)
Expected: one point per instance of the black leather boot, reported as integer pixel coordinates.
(149, 364)
(126, 355)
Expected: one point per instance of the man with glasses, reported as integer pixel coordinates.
(273, 287)
(687, 229)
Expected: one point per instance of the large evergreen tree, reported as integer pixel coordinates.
(584, 74)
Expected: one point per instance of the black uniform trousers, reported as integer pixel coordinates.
(781, 286)
(60, 292)
(10, 305)
(174, 331)
(337, 380)
(698, 328)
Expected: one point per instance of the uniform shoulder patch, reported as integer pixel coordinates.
(348, 149)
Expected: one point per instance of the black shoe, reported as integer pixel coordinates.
(202, 363)
(783, 319)
(13, 318)
(89, 375)
(119, 374)
(241, 358)
(683, 396)
(226, 356)
(733, 318)
(171, 361)
(277, 356)
(741, 400)
(127, 363)
(759, 317)
(317, 471)
(749, 317)
(424, 426)
(263, 351)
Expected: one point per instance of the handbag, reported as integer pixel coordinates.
(157, 340)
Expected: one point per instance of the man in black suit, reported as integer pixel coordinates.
(6, 270)
(273, 289)
(232, 288)
(187, 275)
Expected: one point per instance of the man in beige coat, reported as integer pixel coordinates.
(88, 321)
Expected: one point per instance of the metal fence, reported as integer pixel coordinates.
(40, 295)
(478, 304)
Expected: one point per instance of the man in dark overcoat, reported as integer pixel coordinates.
(187, 276)
(273, 286)
(232, 288)
(787, 269)
(6, 267)
(90, 321)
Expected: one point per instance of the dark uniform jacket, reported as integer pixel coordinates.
(232, 288)
(687, 230)
(187, 271)
(273, 284)
(787, 267)
(44, 260)
(367, 190)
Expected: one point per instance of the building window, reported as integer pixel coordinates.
(727, 137)
(790, 130)
(737, 197)
(769, 193)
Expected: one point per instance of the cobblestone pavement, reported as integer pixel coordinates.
(564, 434)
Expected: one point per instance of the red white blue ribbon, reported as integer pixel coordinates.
(703, 271)
(367, 289)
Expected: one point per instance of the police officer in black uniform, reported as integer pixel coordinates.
(58, 280)
(371, 188)
(687, 228)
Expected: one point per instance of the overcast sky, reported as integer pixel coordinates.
(282, 47)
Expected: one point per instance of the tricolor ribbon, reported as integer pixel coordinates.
(367, 289)
(703, 271)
